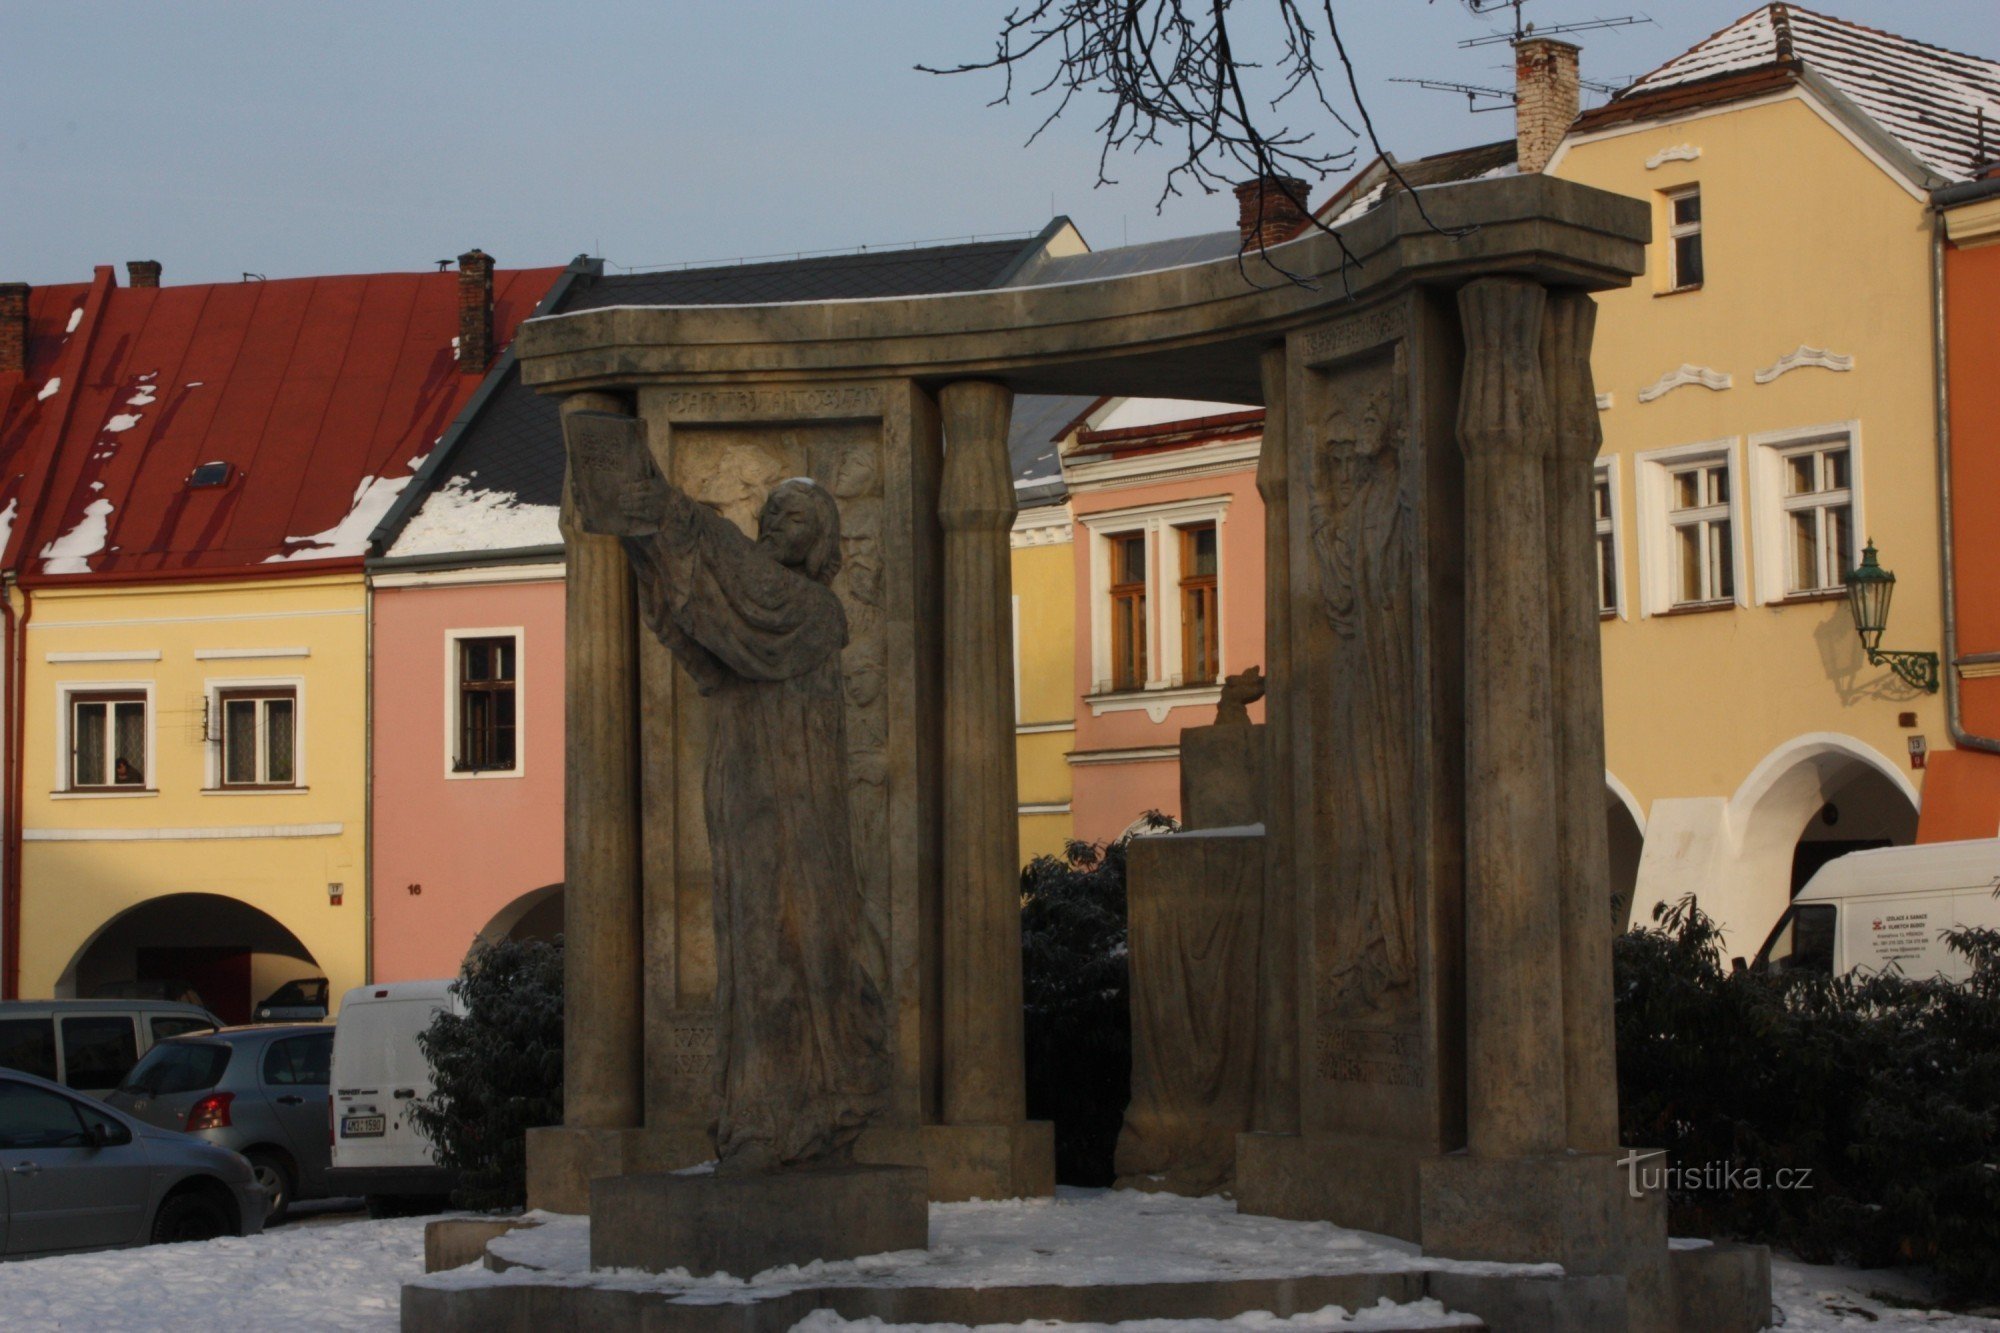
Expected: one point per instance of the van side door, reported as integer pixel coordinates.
(98, 1051)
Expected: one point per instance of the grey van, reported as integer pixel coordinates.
(90, 1045)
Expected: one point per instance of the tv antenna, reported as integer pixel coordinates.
(1473, 93)
(1524, 29)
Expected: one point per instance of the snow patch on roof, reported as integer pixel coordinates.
(49, 390)
(143, 398)
(75, 318)
(122, 422)
(7, 520)
(459, 517)
(349, 537)
(71, 552)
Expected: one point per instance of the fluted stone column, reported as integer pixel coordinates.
(1513, 891)
(981, 917)
(603, 1015)
(1591, 1063)
(1277, 1101)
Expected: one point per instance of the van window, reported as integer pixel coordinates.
(300, 1060)
(174, 1025)
(98, 1050)
(29, 1045)
(178, 1066)
(1804, 940)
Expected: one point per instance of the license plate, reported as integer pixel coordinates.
(361, 1127)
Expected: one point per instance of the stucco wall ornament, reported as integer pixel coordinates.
(1805, 355)
(1686, 374)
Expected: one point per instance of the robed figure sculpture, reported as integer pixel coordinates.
(802, 1032)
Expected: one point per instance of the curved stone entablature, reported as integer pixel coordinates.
(1146, 334)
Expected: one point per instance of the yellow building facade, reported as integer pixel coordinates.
(1044, 569)
(178, 873)
(1767, 398)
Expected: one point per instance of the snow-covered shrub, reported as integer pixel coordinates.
(1882, 1089)
(1078, 1020)
(498, 1069)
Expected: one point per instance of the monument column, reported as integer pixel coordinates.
(981, 913)
(1513, 894)
(603, 1017)
(1277, 1097)
(1590, 1055)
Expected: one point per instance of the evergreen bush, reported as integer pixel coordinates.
(1078, 1022)
(497, 1069)
(1884, 1088)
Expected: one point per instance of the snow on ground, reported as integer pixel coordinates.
(344, 1275)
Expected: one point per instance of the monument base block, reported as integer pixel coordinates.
(743, 1225)
(1350, 1180)
(563, 1160)
(1016, 1161)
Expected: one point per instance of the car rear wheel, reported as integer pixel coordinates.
(192, 1214)
(274, 1174)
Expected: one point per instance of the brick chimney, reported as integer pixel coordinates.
(1546, 99)
(1270, 209)
(475, 312)
(144, 272)
(13, 326)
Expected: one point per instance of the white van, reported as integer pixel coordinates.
(378, 1071)
(1889, 907)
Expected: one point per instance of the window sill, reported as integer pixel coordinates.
(1678, 291)
(255, 791)
(1698, 608)
(109, 793)
(1607, 613)
(480, 774)
(1818, 595)
(1154, 701)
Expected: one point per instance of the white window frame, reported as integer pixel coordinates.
(1652, 473)
(1607, 472)
(452, 638)
(1676, 230)
(1164, 686)
(1769, 452)
(66, 691)
(213, 689)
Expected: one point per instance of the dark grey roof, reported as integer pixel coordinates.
(1127, 259)
(1031, 444)
(513, 442)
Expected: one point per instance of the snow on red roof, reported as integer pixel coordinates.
(321, 394)
(1930, 99)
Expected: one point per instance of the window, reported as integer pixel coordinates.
(1819, 517)
(107, 740)
(259, 736)
(1128, 611)
(35, 1118)
(97, 1051)
(1702, 552)
(178, 1066)
(174, 1025)
(29, 1045)
(297, 1061)
(1604, 506)
(487, 728)
(1200, 646)
(1684, 239)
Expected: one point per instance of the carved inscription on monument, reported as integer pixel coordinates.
(773, 404)
(1370, 1055)
(1355, 334)
(691, 1044)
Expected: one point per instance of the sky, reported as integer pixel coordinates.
(286, 138)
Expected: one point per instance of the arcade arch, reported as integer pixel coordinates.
(229, 952)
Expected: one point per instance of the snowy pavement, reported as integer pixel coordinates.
(346, 1273)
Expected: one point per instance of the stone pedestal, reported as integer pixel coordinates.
(742, 1225)
(1222, 776)
(970, 1161)
(562, 1160)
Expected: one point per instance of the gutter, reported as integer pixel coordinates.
(513, 555)
(1954, 717)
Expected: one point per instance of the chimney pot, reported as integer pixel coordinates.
(14, 326)
(1270, 209)
(475, 312)
(143, 272)
(1547, 97)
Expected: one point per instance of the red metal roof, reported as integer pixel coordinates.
(321, 394)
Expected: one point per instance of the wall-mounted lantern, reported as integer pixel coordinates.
(1869, 588)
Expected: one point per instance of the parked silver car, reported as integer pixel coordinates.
(77, 1175)
(260, 1091)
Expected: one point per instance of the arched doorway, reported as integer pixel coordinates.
(1625, 838)
(535, 915)
(1816, 797)
(230, 953)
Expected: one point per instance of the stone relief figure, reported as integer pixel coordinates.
(802, 1031)
(1364, 544)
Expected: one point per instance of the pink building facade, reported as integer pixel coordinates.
(1169, 549)
(467, 818)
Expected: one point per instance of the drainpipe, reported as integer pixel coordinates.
(1960, 737)
(11, 716)
(368, 781)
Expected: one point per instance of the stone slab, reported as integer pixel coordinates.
(745, 1224)
(454, 1242)
(965, 1162)
(1222, 776)
(1352, 1181)
(563, 1160)
(1722, 1287)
